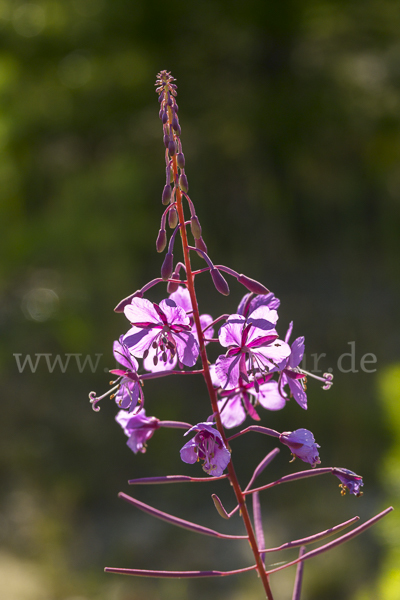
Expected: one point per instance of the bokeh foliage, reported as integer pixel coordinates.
(290, 117)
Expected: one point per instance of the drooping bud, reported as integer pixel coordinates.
(175, 123)
(166, 140)
(252, 285)
(166, 195)
(172, 218)
(161, 241)
(121, 305)
(220, 282)
(167, 266)
(181, 160)
(195, 227)
(171, 147)
(200, 245)
(183, 183)
(164, 118)
(172, 287)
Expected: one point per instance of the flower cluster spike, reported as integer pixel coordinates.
(256, 372)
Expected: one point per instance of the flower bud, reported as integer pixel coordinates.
(160, 97)
(171, 147)
(220, 282)
(164, 118)
(167, 266)
(199, 243)
(172, 287)
(176, 126)
(195, 227)
(181, 160)
(175, 123)
(183, 183)
(166, 195)
(161, 241)
(252, 285)
(121, 305)
(166, 140)
(172, 218)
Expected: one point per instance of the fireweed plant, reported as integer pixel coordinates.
(255, 370)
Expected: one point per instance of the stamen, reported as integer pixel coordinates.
(326, 378)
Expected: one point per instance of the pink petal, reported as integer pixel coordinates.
(141, 311)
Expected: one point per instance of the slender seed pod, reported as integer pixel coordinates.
(220, 282)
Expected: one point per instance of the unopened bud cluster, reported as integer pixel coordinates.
(176, 181)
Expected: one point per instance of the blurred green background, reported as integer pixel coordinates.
(290, 115)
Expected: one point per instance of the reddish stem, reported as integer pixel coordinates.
(207, 377)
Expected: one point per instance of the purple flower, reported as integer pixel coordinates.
(129, 388)
(252, 343)
(302, 445)
(290, 372)
(295, 377)
(165, 327)
(349, 481)
(181, 297)
(234, 404)
(138, 428)
(249, 303)
(154, 363)
(208, 446)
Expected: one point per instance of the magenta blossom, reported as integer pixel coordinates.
(302, 445)
(129, 388)
(138, 428)
(349, 481)
(234, 404)
(181, 297)
(295, 377)
(291, 374)
(165, 328)
(250, 302)
(252, 346)
(208, 446)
